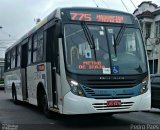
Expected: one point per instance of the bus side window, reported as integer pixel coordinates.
(35, 48)
(13, 58)
(18, 49)
(40, 46)
(7, 64)
(30, 51)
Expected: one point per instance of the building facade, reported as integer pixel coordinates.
(148, 14)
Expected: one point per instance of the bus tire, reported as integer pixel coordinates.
(39, 100)
(14, 96)
(46, 111)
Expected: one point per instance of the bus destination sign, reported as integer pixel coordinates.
(100, 17)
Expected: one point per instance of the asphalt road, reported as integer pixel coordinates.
(27, 117)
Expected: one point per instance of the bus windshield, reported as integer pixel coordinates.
(118, 50)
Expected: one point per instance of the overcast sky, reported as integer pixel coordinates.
(17, 16)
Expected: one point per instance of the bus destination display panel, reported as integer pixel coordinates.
(107, 17)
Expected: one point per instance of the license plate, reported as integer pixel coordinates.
(114, 103)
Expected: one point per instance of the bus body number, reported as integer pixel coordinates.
(81, 16)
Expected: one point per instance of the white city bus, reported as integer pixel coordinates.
(81, 61)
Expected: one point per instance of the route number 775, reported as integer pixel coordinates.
(81, 16)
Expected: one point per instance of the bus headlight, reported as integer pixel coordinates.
(75, 88)
(144, 84)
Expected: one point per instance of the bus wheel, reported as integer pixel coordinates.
(14, 96)
(46, 111)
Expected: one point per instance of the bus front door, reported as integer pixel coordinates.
(24, 60)
(51, 56)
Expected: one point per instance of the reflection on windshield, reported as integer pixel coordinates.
(80, 58)
(130, 56)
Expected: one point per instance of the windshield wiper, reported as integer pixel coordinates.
(118, 38)
(114, 45)
(89, 38)
(120, 34)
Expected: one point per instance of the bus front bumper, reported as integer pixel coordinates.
(73, 104)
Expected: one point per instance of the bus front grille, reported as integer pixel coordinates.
(111, 84)
(111, 87)
(105, 94)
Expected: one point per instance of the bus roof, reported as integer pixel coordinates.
(56, 14)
